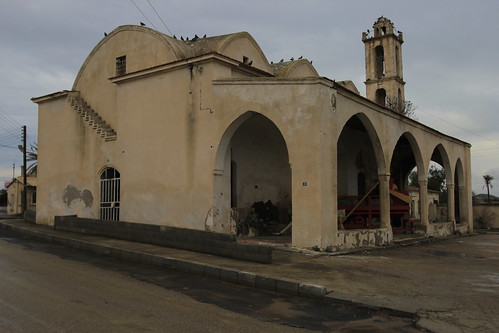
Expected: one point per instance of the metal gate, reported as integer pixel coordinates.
(110, 195)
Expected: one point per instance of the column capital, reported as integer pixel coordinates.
(423, 182)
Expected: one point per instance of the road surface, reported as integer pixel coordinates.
(51, 288)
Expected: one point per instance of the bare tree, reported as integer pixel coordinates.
(407, 108)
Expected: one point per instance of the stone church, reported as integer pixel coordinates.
(207, 134)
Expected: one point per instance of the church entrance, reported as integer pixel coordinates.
(259, 181)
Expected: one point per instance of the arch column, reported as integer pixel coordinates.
(384, 200)
(451, 212)
(423, 203)
(463, 211)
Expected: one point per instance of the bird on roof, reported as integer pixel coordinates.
(142, 24)
(174, 36)
(282, 60)
(204, 36)
(250, 63)
(105, 34)
(186, 38)
(300, 57)
(292, 59)
(196, 37)
(271, 62)
(181, 38)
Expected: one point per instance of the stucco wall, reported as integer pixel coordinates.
(486, 216)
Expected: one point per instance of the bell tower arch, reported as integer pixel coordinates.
(384, 75)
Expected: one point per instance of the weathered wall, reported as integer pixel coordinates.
(352, 239)
(441, 229)
(486, 216)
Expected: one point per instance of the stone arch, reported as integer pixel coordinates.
(405, 156)
(439, 205)
(360, 161)
(407, 140)
(252, 174)
(234, 44)
(443, 160)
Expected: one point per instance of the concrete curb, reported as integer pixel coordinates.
(286, 286)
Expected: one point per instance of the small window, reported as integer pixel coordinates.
(33, 197)
(121, 66)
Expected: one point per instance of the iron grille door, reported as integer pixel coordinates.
(110, 195)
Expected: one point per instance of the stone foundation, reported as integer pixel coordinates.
(353, 239)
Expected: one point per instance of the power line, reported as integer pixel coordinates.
(150, 4)
(6, 123)
(10, 131)
(144, 15)
(8, 147)
(461, 128)
(9, 119)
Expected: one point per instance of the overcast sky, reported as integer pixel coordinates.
(450, 54)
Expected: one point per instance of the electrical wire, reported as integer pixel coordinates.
(3, 146)
(144, 15)
(10, 134)
(150, 4)
(459, 127)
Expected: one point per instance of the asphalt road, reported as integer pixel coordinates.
(51, 288)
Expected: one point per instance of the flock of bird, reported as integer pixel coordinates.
(292, 59)
(196, 37)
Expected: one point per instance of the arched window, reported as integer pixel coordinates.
(110, 195)
(397, 61)
(381, 96)
(379, 55)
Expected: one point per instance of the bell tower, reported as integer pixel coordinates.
(384, 77)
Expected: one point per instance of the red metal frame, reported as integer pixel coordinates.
(364, 215)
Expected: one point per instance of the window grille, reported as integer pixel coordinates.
(110, 195)
(121, 66)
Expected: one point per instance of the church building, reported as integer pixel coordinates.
(207, 134)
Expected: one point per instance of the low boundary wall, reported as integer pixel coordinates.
(186, 239)
(486, 216)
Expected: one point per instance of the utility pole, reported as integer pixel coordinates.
(25, 181)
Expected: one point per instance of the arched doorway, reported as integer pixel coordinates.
(357, 174)
(253, 179)
(109, 208)
(405, 200)
(439, 176)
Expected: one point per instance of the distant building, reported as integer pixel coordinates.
(15, 195)
(208, 134)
